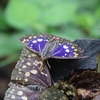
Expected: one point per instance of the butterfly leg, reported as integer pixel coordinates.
(48, 64)
(41, 66)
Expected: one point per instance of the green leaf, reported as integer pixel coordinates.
(3, 23)
(95, 30)
(97, 12)
(9, 47)
(70, 32)
(9, 44)
(38, 14)
(9, 60)
(85, 20)
(22, 13)
(58, 14)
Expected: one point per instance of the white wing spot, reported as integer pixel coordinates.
(16, 78)
(36, 63)
(40, 40)
(24, 66)
(34, 41)
(34, 71)
(27, 74)
(65, 47)
(20, 79)
(33, 55)
(26, 80)
(65, 54)
(28, 63)
(20, 72)
(31, 45)
(24, 98)
(11, 91)
(20, 93)
(19, 69)
(67, 50)
(13, 97)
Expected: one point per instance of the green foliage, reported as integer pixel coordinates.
(71, 19)
(3, 23)
(23, 14)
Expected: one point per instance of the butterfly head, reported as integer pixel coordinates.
(43, 57)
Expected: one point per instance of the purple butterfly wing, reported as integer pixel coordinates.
(67, 49)
(20, 92)
(35, 43)
(27, 70)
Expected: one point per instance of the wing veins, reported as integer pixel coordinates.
(39, 48)
(56, 52)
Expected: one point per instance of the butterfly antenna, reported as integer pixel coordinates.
(50, 68)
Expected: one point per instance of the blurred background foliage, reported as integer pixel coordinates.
(71, 19)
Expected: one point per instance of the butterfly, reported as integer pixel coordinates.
(20, 92)
(27, 81)
(59, 91)
(27, 70)
(50, 46)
